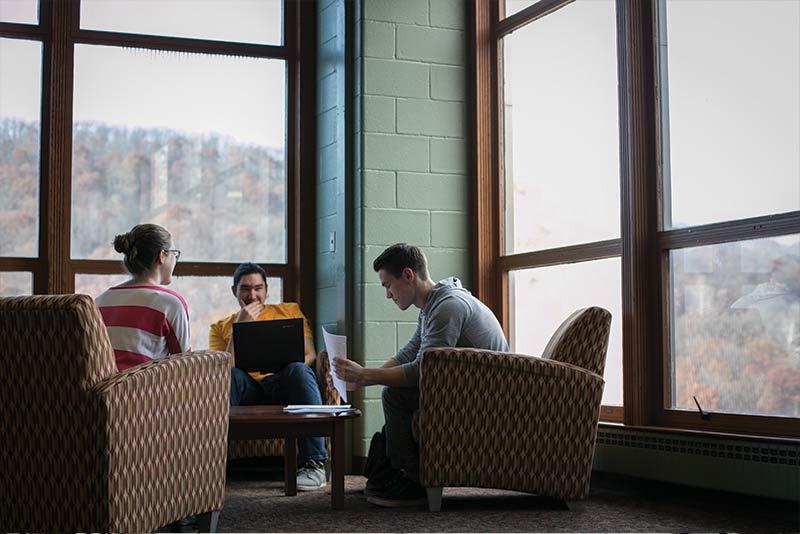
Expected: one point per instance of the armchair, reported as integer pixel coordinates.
(87, 448)
(509, 421)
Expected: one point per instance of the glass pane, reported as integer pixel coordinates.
(540, 299)
(14, 284)
(244, 21)
(209, 297)
(730, 110)
(561, 135)
(515, 6)
(19, 11)
(193, 142)
(20, 104)
(735, 327)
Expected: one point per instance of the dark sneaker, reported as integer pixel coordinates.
(311, 476)
(383, 484)
(402, 493)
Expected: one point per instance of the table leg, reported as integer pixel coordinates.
(290, 465)
(337, 466)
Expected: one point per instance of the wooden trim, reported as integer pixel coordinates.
(785, 427)
(179, 44)
(182, 268)
(724, 232)
(483, 97)
(291, 288)
(638, 201)
(18, 264)
(13, 30)
(613, 414)
(528, 15)
(556, 256)
(54, 276)
(305, 201)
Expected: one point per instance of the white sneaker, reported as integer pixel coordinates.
(311, 476)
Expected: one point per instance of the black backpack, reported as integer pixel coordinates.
(378, 468)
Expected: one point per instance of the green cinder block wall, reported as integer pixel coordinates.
(392, 166)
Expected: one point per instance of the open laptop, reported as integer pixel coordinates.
(267, 346)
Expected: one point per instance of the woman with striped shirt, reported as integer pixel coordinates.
(144, 319)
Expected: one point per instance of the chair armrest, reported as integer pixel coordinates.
(322, 368)
(166, 423)
(481, 393)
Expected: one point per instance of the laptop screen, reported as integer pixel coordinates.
(267, 346)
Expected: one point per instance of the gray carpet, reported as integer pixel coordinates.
(256, 503)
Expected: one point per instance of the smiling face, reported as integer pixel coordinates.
(251, 287)
(400, 289)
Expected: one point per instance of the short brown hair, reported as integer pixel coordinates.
(141, 246)
(399, 256)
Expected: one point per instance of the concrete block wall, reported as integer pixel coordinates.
(411, 164)
(332, 201)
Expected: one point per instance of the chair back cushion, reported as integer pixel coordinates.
(582, 340)
(53, 349)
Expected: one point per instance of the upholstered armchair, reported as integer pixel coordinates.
(509, 421)
(257, 448)
(87, 448)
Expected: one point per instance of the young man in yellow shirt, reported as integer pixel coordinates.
(294, 384)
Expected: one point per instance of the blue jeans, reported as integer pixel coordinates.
(294, 384)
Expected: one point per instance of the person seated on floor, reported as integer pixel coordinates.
(296, 383)
(449, 317)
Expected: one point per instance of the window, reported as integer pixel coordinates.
(177, 113)
(644, 156)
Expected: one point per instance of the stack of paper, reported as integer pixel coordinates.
(316, 408)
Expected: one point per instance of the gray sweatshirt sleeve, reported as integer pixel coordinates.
(443, 327)
(410, 349)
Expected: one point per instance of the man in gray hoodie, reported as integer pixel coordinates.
(449, 317)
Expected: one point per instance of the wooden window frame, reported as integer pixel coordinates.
(59, 30)
(643, 246)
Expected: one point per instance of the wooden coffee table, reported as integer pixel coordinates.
(260, 422)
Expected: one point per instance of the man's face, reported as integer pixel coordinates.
(399, 289)
(251, 288)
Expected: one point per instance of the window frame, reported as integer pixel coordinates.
(644, 245)
(59, 31)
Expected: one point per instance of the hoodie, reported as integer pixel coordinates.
(452, 317)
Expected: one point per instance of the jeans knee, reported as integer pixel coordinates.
(298, 373)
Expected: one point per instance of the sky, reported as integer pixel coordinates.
(243, 98)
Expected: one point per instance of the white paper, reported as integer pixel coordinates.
(316, 408)
(337, 348)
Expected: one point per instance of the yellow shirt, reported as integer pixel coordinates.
(220, 333)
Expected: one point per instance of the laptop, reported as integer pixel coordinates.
(267, 346)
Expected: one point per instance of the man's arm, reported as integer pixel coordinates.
(390, 374)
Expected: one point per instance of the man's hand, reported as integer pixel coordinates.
(350, 372)
(250, 312)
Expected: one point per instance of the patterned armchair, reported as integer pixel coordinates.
(257, 448)
(87, 448)
(509, 421)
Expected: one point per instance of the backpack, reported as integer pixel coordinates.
(378, 468)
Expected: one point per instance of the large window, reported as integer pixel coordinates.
(644, 156)
(192, 115)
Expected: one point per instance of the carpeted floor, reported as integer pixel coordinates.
(255, 502)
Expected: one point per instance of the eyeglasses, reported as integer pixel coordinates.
(176, 251)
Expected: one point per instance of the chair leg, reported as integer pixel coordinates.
(207, 522)
(434, 499)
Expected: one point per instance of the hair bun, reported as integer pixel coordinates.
(122, 243)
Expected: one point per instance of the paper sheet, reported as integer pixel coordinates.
(337, 348)
(315, 408)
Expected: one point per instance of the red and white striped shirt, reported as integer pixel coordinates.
(144, 323)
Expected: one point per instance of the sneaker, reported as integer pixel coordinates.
(402, 493)
(383, 484)
(311, 476)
